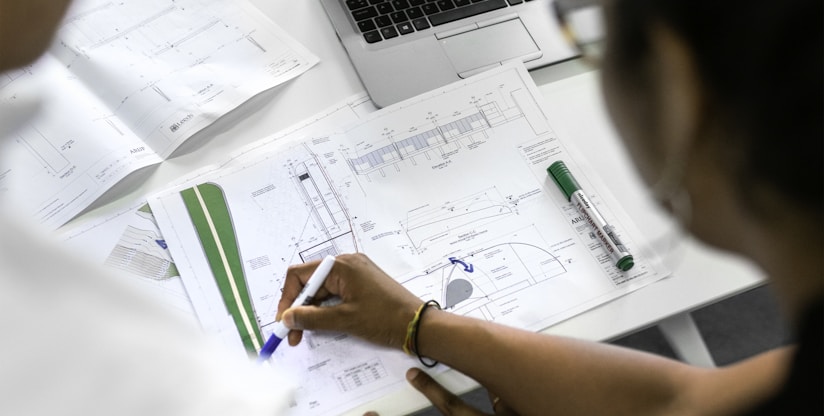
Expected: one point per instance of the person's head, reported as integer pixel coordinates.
(724, 92)
(26, 29)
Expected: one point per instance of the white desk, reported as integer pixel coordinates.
(701, 277)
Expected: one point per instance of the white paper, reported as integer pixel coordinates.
(129, 242)
(447, 192)
(128, 239)
(124, 84)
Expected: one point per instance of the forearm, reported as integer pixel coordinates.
(532, 373)
(541, 374)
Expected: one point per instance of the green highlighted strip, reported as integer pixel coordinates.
(210, 214)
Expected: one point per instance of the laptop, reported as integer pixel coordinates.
(401, 48)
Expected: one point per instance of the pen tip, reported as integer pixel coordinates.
(269, 348)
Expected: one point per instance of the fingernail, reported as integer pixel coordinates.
(370, 414)
(289, 319)
(412, 373)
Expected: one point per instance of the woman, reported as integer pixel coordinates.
(720, 105)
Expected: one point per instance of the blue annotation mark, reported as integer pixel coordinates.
(467, 268)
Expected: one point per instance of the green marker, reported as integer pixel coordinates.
(559, 172)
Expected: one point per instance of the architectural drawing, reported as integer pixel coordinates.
(446, 192)
(129, 242)
(11, 75)
(468, 282)
(143, 251)
(439, 138)
(326, 210)
(319, 226)
(42, 149)
(426, 224)
(127, 83)
(210, 214)
(177, 55)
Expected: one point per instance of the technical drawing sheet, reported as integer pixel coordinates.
(129, 241)
(124, 84)
(447, 192)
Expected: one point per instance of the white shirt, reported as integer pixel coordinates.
(75, 340)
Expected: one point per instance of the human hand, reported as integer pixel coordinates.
(373, 305)
(446, 402)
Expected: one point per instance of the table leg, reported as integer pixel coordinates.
(685, 339)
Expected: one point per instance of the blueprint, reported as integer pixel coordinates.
(124, 84)
(128, 240)
(447, 192)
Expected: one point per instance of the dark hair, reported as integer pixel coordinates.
(762, 63)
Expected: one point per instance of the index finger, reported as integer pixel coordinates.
(296, 277)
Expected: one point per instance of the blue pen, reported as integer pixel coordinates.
(304, 298)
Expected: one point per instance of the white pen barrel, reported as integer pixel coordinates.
(315, 282)
(605, 233)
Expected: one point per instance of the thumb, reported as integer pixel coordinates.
(311, 317)
(446, 402)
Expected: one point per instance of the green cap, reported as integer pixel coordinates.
(561, 175)
(625, 263)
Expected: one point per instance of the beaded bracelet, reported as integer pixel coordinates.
(410, 344)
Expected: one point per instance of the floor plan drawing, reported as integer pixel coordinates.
(229, 207)
(446, 192)
(177, 55)
(327, 211)
(123, 85)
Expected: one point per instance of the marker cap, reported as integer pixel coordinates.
(625, 263)
(561, 175)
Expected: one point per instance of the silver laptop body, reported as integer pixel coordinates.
(394, 65)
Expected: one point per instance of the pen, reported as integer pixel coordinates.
(304, 298)
(605, 232)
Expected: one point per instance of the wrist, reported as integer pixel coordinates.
(411, 344)
(400, 320)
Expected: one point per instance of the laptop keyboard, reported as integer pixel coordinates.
(387, 19)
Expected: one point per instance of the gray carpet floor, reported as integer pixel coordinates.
(733, 329)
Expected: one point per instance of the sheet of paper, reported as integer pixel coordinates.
(69, 151)
(124, 84)
(129, 242)
(169, 68)
(447, 192)
(127, 239)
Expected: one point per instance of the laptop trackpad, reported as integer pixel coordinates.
(474, 51)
